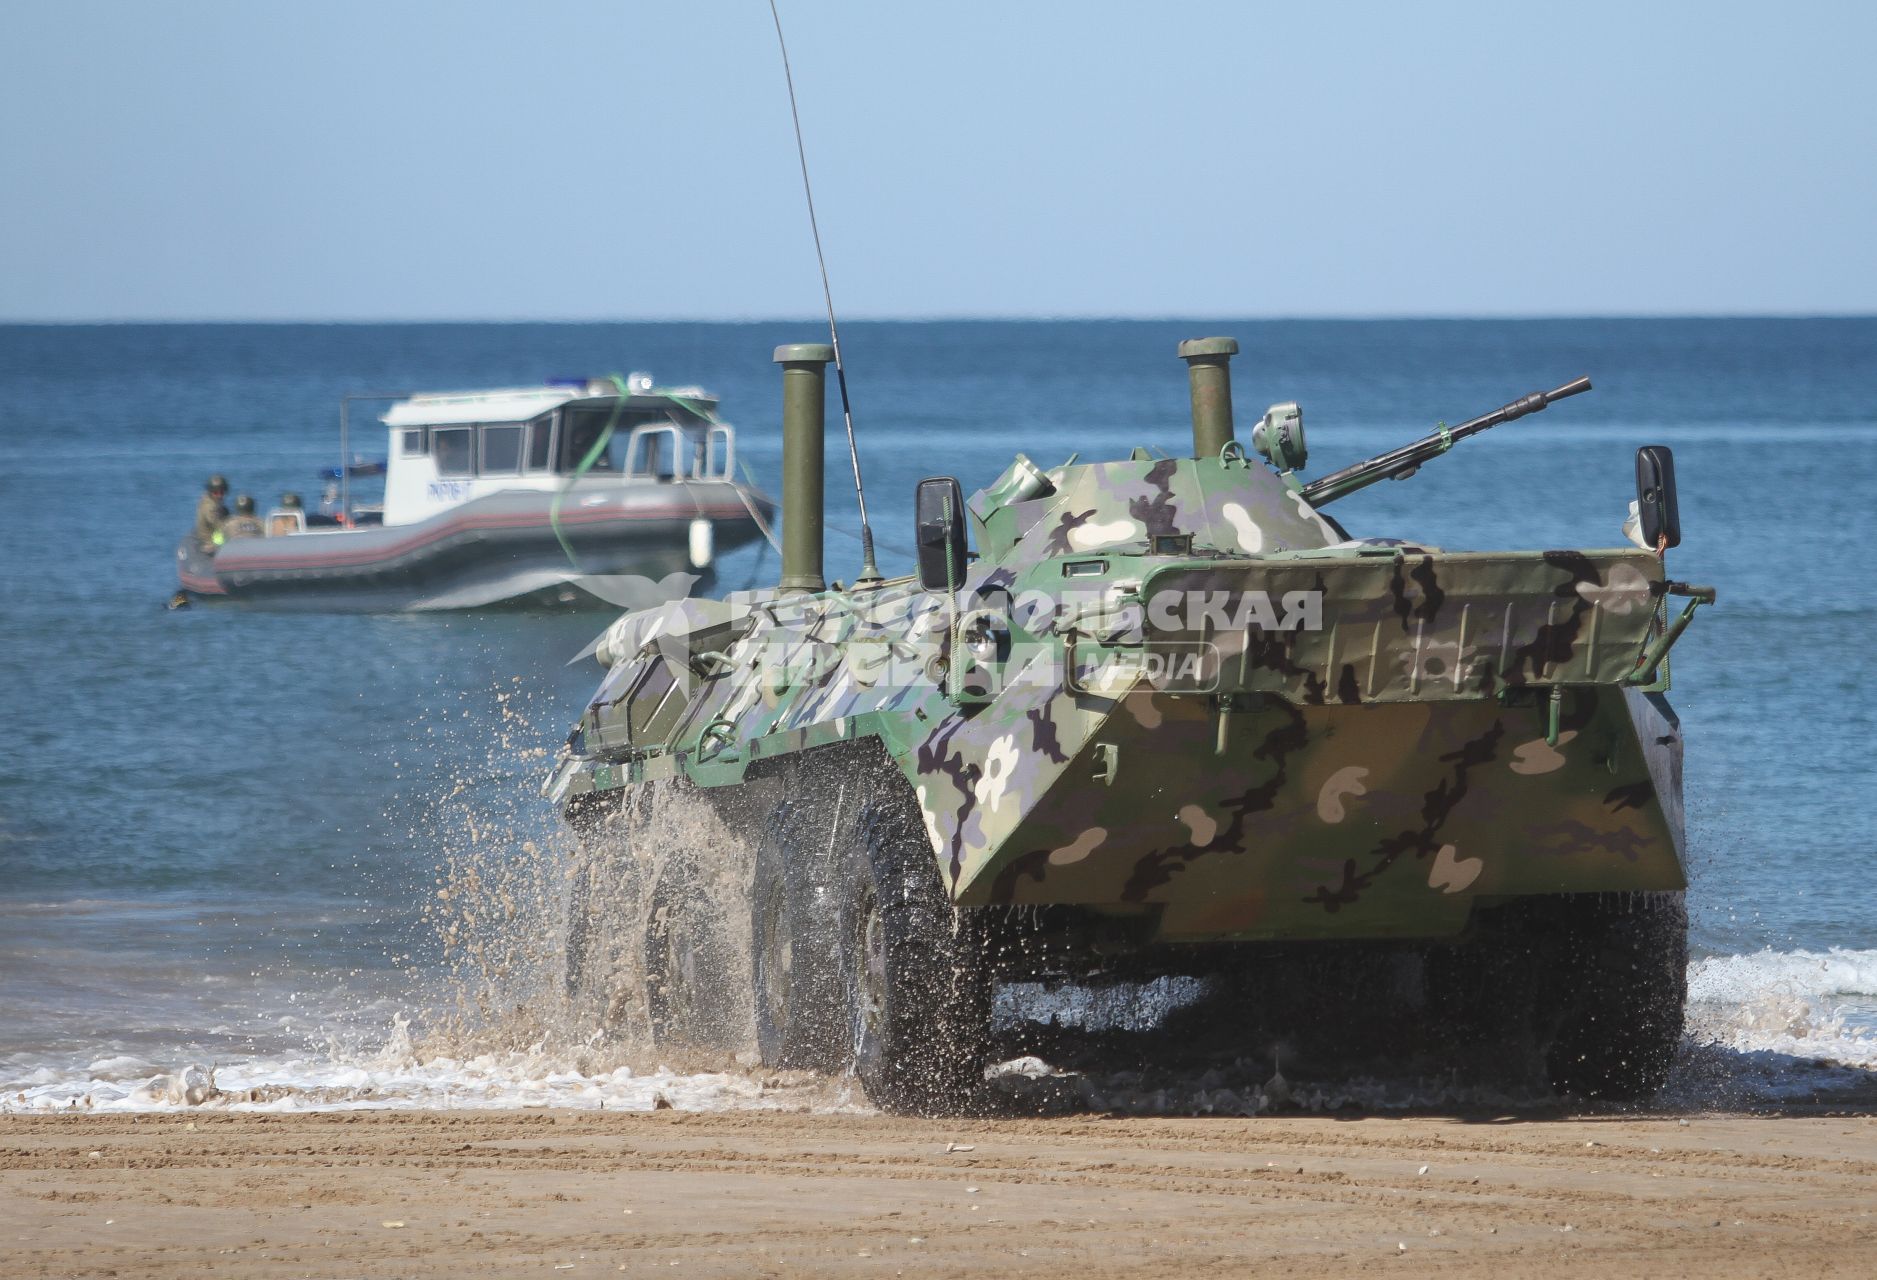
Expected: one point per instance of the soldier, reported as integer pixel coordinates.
(288, 518)
(244, 523)
(212, 514)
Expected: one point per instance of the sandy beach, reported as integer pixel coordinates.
(669, 1192)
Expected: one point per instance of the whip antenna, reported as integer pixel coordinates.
(868, 571)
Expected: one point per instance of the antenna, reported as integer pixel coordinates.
(869, 573)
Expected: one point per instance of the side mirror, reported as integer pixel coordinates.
(1655, 496)
(939, 510)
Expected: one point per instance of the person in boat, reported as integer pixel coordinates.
(212, 514)
(244, 523)
(310, 519)
(282, 520)
(331, 509)
(452, 452)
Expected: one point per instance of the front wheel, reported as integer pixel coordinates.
(599, 920)
(690, 972)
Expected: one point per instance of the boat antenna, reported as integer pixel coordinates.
(869, 572)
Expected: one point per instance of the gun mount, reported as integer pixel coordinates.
(1404, 461)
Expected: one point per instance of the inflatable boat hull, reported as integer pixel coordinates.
(497, 550)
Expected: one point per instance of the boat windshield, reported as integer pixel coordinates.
(583, 430)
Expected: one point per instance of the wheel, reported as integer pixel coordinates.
(602, 896)
(690, 972)
(1619, 986)
(1484, 990)
(580, 961)
(794, 961)
(917, 981)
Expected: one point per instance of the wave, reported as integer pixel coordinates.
(1765, 1027)
(399, 1075)
(1839, 971)
(1783, 1024)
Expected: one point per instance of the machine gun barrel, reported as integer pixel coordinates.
(1408, 457)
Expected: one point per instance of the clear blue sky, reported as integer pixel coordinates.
(598, 159)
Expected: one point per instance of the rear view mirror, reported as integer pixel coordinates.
(939, 509)
(1655, 496)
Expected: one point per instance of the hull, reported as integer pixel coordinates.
(1370, 781)
(492, 551)
(1386, 820)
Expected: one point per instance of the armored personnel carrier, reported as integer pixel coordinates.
(1134, 717)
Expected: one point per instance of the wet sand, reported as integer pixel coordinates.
(744, 1194)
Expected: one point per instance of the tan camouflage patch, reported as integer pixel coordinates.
(1084, 844)
(1343, 784)
(1451, 874)
(1539, 756)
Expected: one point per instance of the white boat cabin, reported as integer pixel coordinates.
(447, 449)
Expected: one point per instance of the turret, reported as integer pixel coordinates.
(804, 406)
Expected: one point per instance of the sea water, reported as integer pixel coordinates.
(223, 833)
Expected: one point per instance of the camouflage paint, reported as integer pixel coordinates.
(1389, 733)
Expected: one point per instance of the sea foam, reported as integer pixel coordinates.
(1766, 1027)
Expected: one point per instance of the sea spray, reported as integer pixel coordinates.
(657, 958)
(492, 916)
(556, 939)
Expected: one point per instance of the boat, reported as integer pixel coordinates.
(586, 492)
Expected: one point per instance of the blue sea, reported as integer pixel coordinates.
(220, 829)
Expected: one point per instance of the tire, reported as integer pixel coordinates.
(598, 927)
(690, 975)
(1483, 992)
(917, 980)
(580, 961)
(1619, 985)
(794, 962)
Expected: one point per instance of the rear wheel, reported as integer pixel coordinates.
(918, 988)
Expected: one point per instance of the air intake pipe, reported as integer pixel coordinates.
(804, 421)
(1209, 368)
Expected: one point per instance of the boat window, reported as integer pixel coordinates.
(540, 443)
(451, 447)
(501, 450)
(654, 452)
(413, 443)
(583, 430)
(719, 453)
